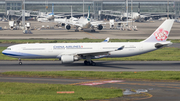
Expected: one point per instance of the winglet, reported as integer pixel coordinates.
(120, 48)
(162, 32)
(106, 40)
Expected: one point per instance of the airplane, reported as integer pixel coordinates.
(47, 17)
(84, 23)
(70, 52)
(60, 21)
(63, 20)
(137, 16)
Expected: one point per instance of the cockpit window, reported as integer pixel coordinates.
(8, 49)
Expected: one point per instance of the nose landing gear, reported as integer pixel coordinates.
(20, 63)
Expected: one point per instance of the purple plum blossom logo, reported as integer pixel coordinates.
(161, 34)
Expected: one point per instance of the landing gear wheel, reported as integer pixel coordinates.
(20, 63)
(85, 62)
(88, 63)
(93, 63)
(76, 30)
(92, 30)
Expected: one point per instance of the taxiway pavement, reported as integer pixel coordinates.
(158, 90)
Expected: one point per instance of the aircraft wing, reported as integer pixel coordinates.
(96, 23)
(122, 22)
(92, 53)
(79, 24)
(99, 52)
(58, 16)
(74, 24)
(60, 20)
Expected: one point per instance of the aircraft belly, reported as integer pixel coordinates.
(86, 26)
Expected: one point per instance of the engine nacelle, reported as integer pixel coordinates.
(62, 24)
(79, 28)
(69, 58)
(68, 27)
(100, 27)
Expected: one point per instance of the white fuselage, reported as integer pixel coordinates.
(55, 50)
(83, 23)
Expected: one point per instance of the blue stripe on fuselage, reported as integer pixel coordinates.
(12, 53)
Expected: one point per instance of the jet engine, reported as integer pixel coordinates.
(100, 27)
(62, 24)
(68, 27)
(69, 58)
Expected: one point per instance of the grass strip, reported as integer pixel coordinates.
(74, 41)
(164, 54)
(147, 75)
(47, 92)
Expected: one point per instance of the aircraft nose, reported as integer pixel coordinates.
(4, 52)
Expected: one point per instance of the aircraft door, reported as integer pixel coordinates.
(141, 47)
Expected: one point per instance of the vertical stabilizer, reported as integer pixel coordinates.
(162, 32)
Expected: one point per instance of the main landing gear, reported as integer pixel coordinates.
(89, 63)
(93, 30)
(76, 30)
(20, 63)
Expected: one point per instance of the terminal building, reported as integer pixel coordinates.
(64, 6)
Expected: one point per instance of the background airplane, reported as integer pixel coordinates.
(63, 20)
(46, 17)
(84, 23)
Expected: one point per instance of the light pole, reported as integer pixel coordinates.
(132, 11)
(127, 10)
(83, 8)
(167, 9)
(23, 14)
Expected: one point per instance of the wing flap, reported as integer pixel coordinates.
(99, 52)
(91, 53)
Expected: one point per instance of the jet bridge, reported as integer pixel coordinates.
(17, 13)
(109, 14)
